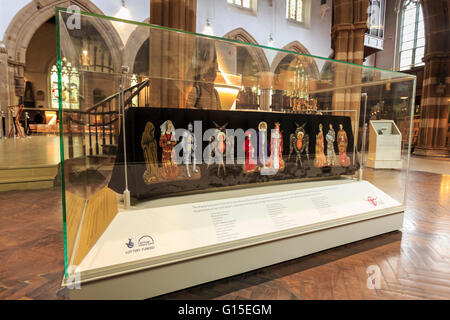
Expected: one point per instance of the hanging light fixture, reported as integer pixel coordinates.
(124, 29)
(124, 12)
(207, 29)
(271, 41)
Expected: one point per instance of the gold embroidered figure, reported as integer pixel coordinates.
(320, 159)
(167, 142)
(148, 144)
(342, 141)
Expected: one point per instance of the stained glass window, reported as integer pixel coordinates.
(70, 81)
(294, 10)
(412, 35)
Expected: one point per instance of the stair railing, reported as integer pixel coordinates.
(102, 118)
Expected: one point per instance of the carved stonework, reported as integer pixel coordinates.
(19, 83)
(4, 87)
(3, 48)
(349, 26)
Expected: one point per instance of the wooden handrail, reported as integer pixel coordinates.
(143, 84)
(100, 103)
(107, 113)
(138, 88)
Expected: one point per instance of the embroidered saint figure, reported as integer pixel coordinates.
(276, 148)
(320, 159)
(220, 144)
(189, 145)
(250, 163)
(342, 142)
(222, 149)
(167, 142)
(262, 142)
(331, 154)
(148, 144)
(299, 142)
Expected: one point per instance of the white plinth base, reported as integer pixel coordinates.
(157, 247)
(385, 164)
(168, 278)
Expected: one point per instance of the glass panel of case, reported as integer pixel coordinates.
(170, 118)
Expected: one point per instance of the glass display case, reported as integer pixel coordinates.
(184, 161)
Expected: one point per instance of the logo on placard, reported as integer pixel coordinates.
(145, 241)
(374, 201)
(130, 243)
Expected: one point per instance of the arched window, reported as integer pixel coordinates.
(294, 10)
(412, 35)
(70, 86)
(241, 3)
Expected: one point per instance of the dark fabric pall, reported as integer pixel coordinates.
(235, 176)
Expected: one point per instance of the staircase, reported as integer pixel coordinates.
(27, 178)
(29, 164)
(102, 121)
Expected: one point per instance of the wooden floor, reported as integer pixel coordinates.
(414, 263)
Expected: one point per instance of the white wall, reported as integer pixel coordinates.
(269, 20)
(8, 9)
(139, 9)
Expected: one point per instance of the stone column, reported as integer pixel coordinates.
(170, 53)
(434, 125)
(349, 26)
(4, 85)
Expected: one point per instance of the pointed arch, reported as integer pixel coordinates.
(137, 38)
(240, 34)
(28, 20)
(258, 55)
(295, 46)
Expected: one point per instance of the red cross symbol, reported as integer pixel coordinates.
(372, 201)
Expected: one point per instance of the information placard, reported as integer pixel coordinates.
(158, 232)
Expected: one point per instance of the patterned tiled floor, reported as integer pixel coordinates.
(414, 263)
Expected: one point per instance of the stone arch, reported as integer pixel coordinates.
(25, 23)
(258, 55)
(296, 46)
(327, 72)
(137, 38)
